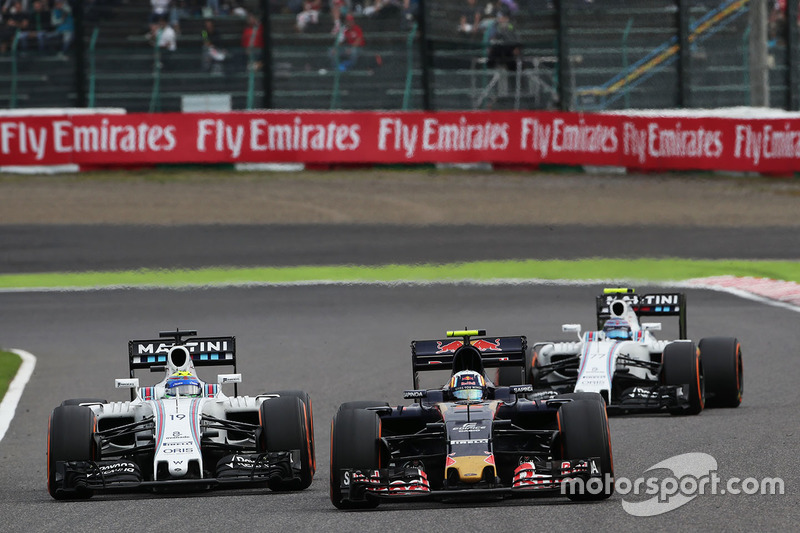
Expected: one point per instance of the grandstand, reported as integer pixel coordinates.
(575, 55)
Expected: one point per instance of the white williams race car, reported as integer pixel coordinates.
(181, 433)
(633, 371)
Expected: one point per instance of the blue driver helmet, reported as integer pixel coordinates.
(468, 385)
(617, 329)
(183, 384)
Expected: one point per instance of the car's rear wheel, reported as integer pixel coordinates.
(362, 404)
(283, 428)
(69, 438)
(722, 370)
(583, 428)
(682, 366)
(355, 445)
(306, 399)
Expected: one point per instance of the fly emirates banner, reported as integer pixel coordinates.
(657, 142)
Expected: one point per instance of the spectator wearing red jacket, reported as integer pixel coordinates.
(349, 42)
(253, 42)
(253, 34)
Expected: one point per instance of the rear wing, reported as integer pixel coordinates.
(204, 351)
(494, 352)
(654, 304)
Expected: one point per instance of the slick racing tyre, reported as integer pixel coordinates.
(78, 401)
(284, 423)
(362, 404)
(682, 366)
(722, 369)
(306, 399)
(583, 426)
(355, 441)
(69, 438)
(592, 396)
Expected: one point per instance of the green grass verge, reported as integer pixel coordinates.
(9, 364)
(594, 269)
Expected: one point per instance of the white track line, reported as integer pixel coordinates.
(9, 404)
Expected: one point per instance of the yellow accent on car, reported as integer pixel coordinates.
(618, 290)
(464, 333)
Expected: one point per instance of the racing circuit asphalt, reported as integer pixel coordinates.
(351, 342)
(68, 248)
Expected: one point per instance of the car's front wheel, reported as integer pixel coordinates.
(283, 428)
(69, 438)
(583, 427)
(355, 445)
(681, 365)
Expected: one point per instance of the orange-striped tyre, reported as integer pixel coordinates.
(723, 371)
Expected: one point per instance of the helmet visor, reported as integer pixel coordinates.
(469, 394)
(184, 389)
(618, 334)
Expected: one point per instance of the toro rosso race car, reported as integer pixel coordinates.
(632, 370)
(181, 433)
(470, 438)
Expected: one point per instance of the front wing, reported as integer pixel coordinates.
(650, 399)
(638, 399)
(412, 483)
(125, 476)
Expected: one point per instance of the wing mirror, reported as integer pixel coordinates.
(651, 326)
(223, 379)
(126, 383)
(566, 328)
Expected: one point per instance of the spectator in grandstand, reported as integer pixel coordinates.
(253, 42)
(349, 43)
(178, 11)
(382, 8)
(309, 14)
(777, 21)
(504, 46)
(12, 19)
(509, 6)
(6, 35)
(8, 26)
(470, 21)
(339, 8)
(165, 40)
(37, 27)
(214, 56)
(237, 10)
(63, 25)
(158, 9)
(294, 6)
(410, 12)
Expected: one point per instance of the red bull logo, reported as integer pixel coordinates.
(450, 347)
(487, 346)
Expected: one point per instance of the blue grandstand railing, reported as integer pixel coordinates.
(663, 55)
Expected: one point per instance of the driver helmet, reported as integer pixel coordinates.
(468, 385)
(183, 383)
(617, 329)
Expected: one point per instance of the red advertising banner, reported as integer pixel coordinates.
(657, 142)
